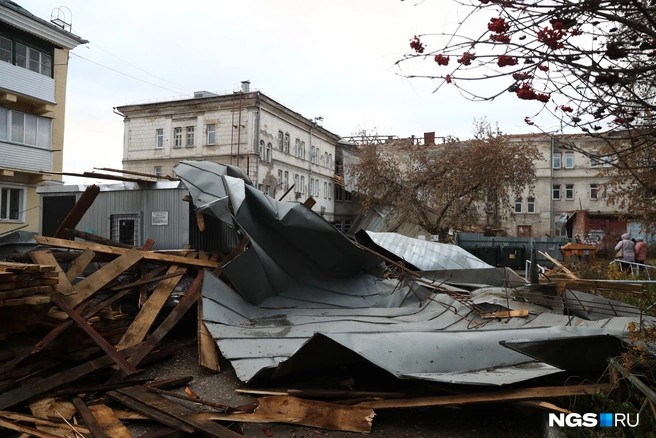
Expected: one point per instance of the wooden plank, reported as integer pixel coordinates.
(97, 239)
(185, 303)
(23, 268)
(98, 339)
(148, 245)
(103, 276)
(536, 393)
(506, 314)
(77, 212)
(567, 272)
(200, 220)
(224, 408)
(147, 410)
(89, 419)
(311, 413)
(108, 421)
(151, 308)
(45, 257)
(50, 407)
(540, 404)
(80, 264)
(39, 421)
(103, 249)
(19, 395)
(208, 355)
(29, 430)
(36, 300)
(179, 412)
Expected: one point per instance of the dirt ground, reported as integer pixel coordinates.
(493, 420)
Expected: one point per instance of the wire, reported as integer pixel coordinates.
(125, 74)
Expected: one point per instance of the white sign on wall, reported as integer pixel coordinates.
(159, 218)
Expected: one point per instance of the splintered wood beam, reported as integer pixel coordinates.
(77, 212)
(104, 249)
(24, 429)
(99, 279)
(32, 389)
(536, 393)
(148, 411)
(185, 303)
(45, 257)
(179, 412)
(97, 338)
(89, 419)
(96, 239)
(130, 172)
(80, 264)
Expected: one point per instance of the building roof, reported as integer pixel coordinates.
(207, 97)
(17, 16)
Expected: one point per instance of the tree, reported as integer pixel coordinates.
(445, 186)
(590, 63)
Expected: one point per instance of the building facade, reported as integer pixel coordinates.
(278, 148)
(33, 73)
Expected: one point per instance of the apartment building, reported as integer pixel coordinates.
(33, 73)
(283, 152)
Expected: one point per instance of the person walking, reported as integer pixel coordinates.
(625, 251)
(640, 251)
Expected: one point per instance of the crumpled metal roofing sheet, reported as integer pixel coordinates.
(304, 297)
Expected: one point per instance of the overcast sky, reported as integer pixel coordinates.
(333, 59)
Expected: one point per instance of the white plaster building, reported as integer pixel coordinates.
(33, 74)
(277, 147)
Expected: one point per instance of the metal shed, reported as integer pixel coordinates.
(131, 213)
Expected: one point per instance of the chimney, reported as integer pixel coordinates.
(245, 86)
(429, 138)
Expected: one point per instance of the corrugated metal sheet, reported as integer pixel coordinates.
(27, 82)
(132, 198)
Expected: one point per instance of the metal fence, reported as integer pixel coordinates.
(505, 245)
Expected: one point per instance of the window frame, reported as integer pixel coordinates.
(31, 124)
(281, 136)
(159, 138)
(157, 171)
(177, 137)
(594, 159)
(569, 156)
(557, 157)
(594, 191)
(211, 134)
(568, 188)
(190, 137)
(530, 205)
(269, 152)
(518, 205)
(556, 188)
(5, 204)
(287, 140)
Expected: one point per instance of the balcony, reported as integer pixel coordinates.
(24, 158)
(17, 83)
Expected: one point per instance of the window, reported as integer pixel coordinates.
(311, 186)
(11, 203)
(297, 187)
(190, 135)
(555, 192)
(330, 160)
(569, 160)
(518, 205)
(267, 190)
(27, 129)
(313, 153)
(607, 161)
(339, 193)
(34, 60)
(280, 177)
(260, 151)
(347, 225)
(158, 170)
(317, 156)
(177, 137)
(530, 205)
(159, 133)
(569, 191)
(325, 190)
(594, 158)
(269, 152)
(280, 140)
(556, 160)
(6, 49)
(347, 196)
(302, 190)
(125, 228)
(286, 142)
(317, 190)
(594, 191)
(330, 191)
(297, 148)
(302, 150)
(211, 134)
(286, 180)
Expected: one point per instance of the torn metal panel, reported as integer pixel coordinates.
(424, 254)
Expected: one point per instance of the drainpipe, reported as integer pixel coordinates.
(257, 144)
(551, 203)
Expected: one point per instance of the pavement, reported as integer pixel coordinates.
(491, 420)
